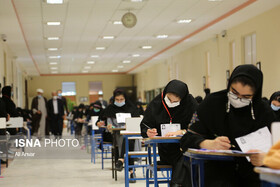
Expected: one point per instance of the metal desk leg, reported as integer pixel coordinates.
(126, 169)
(155, 163)
(201, 173)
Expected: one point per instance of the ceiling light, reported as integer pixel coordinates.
(136, 0)
(108, 37)
(54, 57)
(126, 61)
(53, 23)
(54, 72)
(55, 1)
(87, 67)
(117, 22)
(115, 70)
(90, 62)
(94, 56)
(100, 48)
(184, 21)
(54, 68)
(162, 36)
(85, 71)
(214, 0)
(146, 47)
(135, 55)
(120, 66)
(52, 49)
(53, 38)
(53, 63)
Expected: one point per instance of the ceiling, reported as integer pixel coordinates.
(85, 22)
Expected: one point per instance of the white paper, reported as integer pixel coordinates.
(166, 128)
(260, 140)
(122, 116)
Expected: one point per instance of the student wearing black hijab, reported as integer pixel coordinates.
(10, 106)
(231, 113)
(174, 105)
(121, 104)
(274, 102)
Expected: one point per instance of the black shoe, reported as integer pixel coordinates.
(119, 165)
(3, 162)
(132, 176)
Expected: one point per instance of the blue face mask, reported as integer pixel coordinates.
(119, 104)
(275, 108)
(39, 96)
(96, 110)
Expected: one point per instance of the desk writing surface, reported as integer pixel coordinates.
(166, 138)
(2, 123)
(118, 129)
(269, 175)
(130, 133)
(216, 153)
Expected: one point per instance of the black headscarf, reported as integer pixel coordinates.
(274, 96)
(10, 105)
(7, 91)
(112, 109)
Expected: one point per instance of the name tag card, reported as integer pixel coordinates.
(166, 128)
(122, 116)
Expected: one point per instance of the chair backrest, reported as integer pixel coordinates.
(133, 124)
(16, 122)
(2, 123)
(275, 131)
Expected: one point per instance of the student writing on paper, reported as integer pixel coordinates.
(174, 106)
(228, 114)
(121, 105)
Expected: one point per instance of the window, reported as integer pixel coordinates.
(250, 49)
(68, 88)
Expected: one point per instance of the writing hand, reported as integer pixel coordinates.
(152, 132)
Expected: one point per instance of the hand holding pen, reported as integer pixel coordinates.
(226, 141)
(219, 143)
(150, 132)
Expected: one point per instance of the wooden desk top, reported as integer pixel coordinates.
(118, 129)
(198, 152)
(165, 138)
(130, 133)
(268, 171)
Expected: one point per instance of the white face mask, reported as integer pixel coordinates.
(237, 102)
(169, 104)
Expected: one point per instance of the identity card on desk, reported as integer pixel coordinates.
(260, 140)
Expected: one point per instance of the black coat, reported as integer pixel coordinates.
(50, 108)
(10, 106)
(213, 118)
(156, 114)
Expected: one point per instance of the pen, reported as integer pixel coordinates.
(230, 143)
(147, 126)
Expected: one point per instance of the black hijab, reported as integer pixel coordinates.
(7, 91)
(112, 109)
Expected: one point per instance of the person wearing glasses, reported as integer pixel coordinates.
(225, 115)
(274, 102)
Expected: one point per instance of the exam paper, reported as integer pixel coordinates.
(260, 140)
(122, 116)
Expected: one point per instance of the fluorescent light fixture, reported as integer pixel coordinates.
(54, 72)
(126, 61)
(115, 70)
(146, 47)
(117, 22)
(184, 21)
(53, 63)
(162, 36)
(94, 56)
(108, 37)
(120, 66)
(52, 49)
(214, 0)
(85, 71)
(100, 48)
(90, 62)
(87, 67)
(136, 0)
(135, 55)
(55, 1)
(52, 57)
(53, 23)
(53, 38)
(53, 68)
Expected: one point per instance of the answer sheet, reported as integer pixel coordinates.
(260, 140)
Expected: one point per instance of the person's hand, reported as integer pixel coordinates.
(39, 112)
(109, 127)
(100, 123)
(152, 132)
(256, 159)
(220, 143)
(179, 132)
(8, 117)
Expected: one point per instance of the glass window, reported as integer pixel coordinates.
(68, 88)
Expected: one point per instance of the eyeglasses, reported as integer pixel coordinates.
(235, 97)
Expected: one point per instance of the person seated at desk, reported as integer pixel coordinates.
(274, 102)
(174, 105)
(228, 114)
(108, 117)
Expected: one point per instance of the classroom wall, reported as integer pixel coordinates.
(53, 83)
(190, 65)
